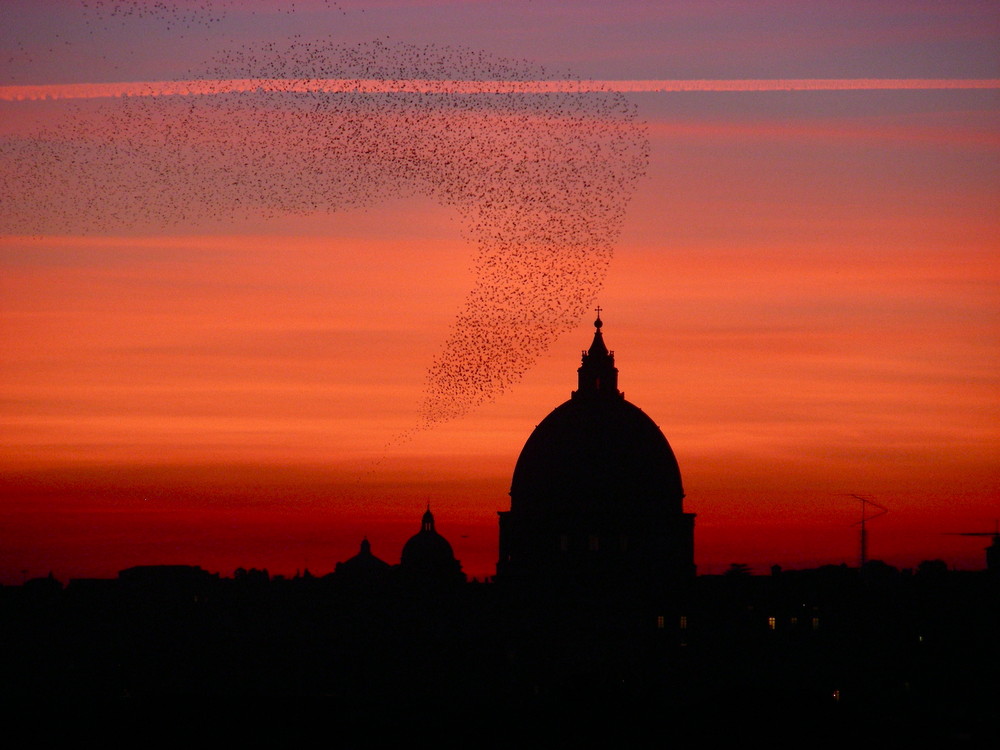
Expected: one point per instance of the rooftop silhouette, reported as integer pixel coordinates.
(595, 626)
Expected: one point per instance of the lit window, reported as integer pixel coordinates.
(815, 623)
(771, 623)
(684, 622)
(659, 622)
(795, 621)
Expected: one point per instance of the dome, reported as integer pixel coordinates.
(596, 500)
(424, 550)
(427, 552)
(363, 564)
(596, 451)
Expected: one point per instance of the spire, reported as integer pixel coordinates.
(597, 373)
(427, 524)
(598, 347)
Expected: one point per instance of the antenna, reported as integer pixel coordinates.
(880, 510)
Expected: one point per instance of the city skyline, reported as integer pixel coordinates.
(802, 295)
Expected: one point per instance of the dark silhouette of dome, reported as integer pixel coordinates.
(428, 553)
(596, 498)
(596, 452)
(363, 564)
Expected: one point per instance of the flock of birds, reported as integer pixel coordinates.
(176, 15)
(540, 181)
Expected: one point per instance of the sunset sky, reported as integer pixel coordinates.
(803, 292)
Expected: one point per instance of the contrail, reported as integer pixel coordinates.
(203, 87)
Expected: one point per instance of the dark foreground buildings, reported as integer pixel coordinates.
(595, 629)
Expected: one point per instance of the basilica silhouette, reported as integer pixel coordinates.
(596, 496)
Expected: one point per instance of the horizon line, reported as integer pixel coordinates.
(202, 87)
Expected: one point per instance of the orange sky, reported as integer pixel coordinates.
(803, 297)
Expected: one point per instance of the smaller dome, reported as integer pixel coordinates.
(429, 553)
(363, 564)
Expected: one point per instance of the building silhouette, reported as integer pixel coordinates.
(596, 496)
(595, 630)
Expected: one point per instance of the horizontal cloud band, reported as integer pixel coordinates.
(377, 86)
